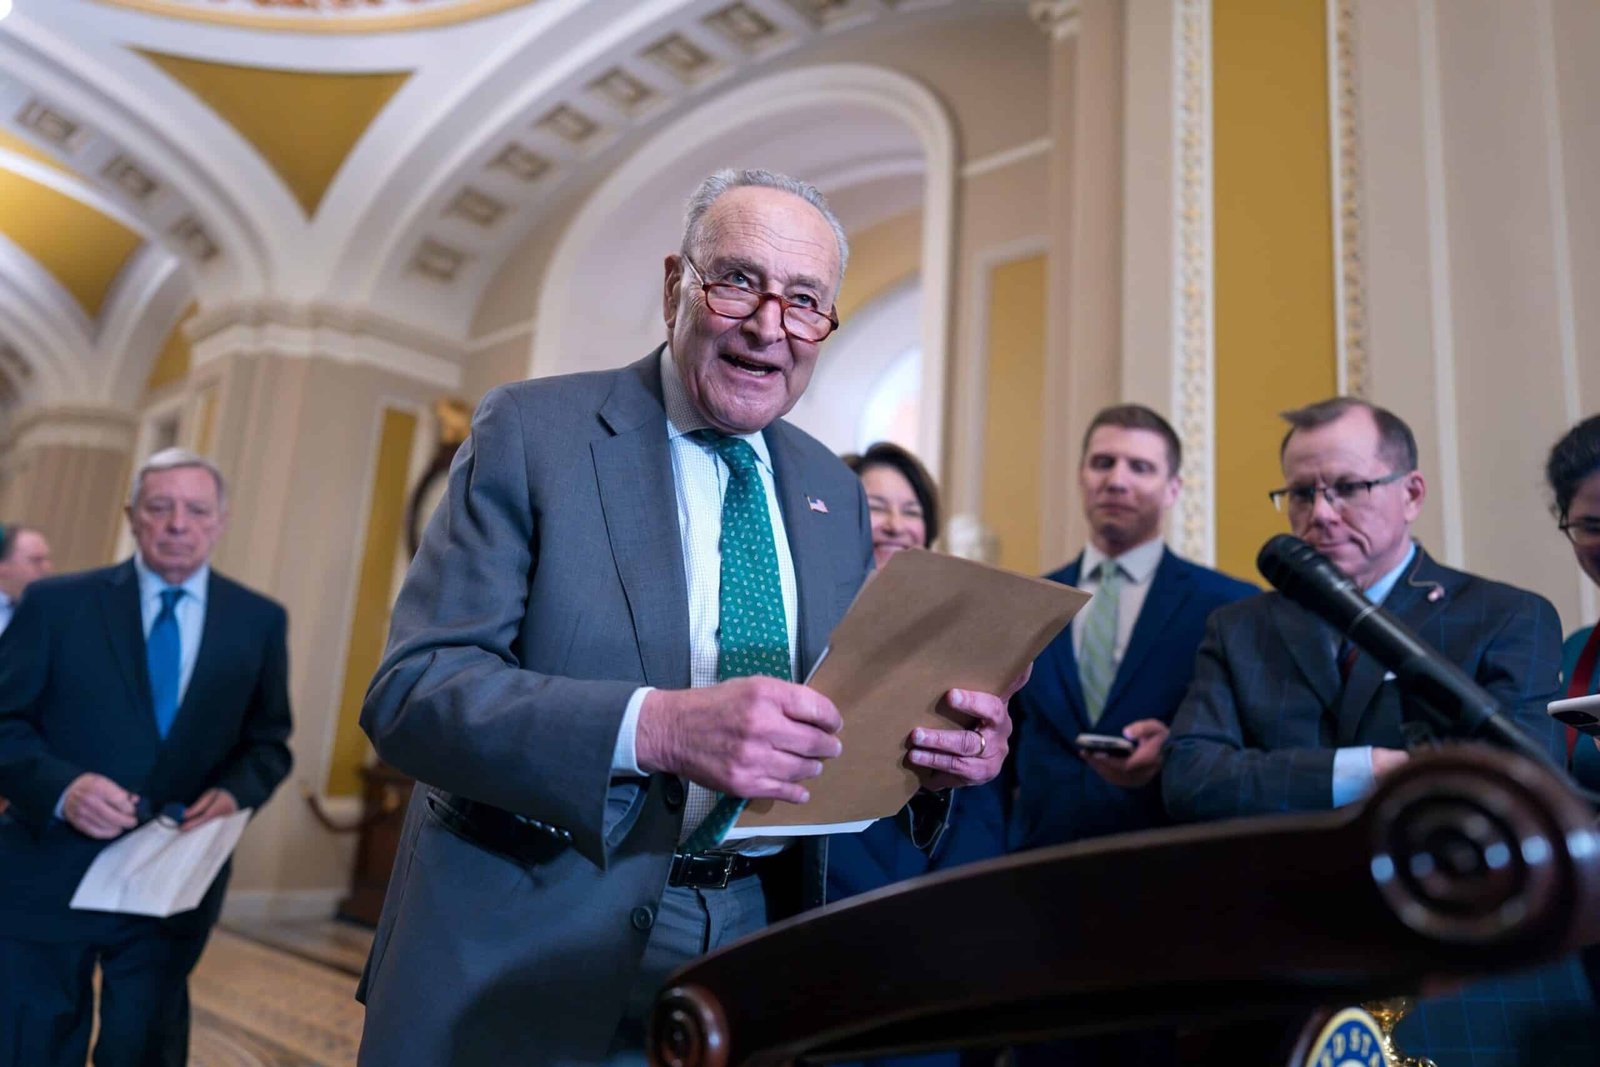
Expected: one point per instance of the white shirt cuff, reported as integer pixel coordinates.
(623, 762)
(1352, 774)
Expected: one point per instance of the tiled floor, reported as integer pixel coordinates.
(256, 1005)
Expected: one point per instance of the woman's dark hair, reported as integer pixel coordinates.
(1574, 458)
(887, 454)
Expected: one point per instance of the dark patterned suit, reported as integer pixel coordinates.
(1258, 729)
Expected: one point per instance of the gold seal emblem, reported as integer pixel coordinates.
(1351, 1038)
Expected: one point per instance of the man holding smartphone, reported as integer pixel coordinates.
(1092, 720)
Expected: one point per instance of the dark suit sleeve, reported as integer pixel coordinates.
(450, 704)
(261, 759)
(1212, 771)
(31, 776)
(1521, 668)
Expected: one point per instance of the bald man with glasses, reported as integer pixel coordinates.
(1284, 716)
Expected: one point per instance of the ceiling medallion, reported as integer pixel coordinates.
(323, 16)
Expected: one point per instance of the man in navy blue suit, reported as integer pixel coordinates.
(153, 686)
(1122, 667)
(1284, 717)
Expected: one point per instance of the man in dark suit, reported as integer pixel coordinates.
(593, 656)
(1123, 665)
(1120, 669)
(1284, 717)
(153, 686)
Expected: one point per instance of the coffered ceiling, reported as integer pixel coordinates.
(380, 158)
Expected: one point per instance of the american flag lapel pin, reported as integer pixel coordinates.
(815, 504)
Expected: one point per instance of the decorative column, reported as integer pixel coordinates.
(64, 470)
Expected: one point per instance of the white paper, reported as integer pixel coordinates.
(739, 833)
(157, 869)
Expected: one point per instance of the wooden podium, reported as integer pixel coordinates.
(1462, 863)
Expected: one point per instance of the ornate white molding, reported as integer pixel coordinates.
(74, 427)
(292, 331)
(1349, 275)
(1194, 319)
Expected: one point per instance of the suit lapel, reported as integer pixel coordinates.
(1409, 602)
(1311, 645)
(125, 633)
(633, 470)
(806, 531)
(1072, 719)
(1169, 588)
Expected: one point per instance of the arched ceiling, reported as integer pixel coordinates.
(382, 157)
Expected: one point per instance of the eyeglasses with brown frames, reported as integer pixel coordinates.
(739, 302)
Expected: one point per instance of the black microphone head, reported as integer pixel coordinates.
(1290, 564)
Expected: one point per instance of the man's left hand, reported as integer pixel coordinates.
(971, 756)
(213, 804)
(1138, 767)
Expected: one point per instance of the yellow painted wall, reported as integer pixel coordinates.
(369, 624)
(83, 249)
(1274, 251)
(172, 362)
(304, 125)
(1013, 433)
(881, 258)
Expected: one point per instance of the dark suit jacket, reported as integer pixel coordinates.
(1257, 731)
(1059, 798)
(75, 697)
(547, 588)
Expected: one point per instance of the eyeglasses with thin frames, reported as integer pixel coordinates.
(1583, 532)
(739, 302)
(1342, 494)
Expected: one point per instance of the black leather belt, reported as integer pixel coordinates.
(710, 870)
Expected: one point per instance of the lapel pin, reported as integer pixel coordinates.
(815, 504)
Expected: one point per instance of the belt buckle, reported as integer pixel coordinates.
(727, 859)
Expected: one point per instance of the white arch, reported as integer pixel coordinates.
(753, 105)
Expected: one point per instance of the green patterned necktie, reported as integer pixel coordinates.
(1097, 665)
(752, 633)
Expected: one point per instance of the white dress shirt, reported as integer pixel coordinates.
(7, 609)
(700, 478)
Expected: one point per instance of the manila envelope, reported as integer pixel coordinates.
(923, 625)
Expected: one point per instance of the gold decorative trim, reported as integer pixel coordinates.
(1194, 379)
(325, 16)
(1350, 266)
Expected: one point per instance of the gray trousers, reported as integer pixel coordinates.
(689, 923)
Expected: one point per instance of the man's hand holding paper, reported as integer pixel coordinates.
(972, 756)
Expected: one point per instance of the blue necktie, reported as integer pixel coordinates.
(163, 654)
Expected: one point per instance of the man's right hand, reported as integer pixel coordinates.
(750, 737)
(97, 806)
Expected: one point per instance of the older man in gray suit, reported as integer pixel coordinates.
(595, 654)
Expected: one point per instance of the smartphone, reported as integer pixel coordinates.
(1110, 744)
(1581, 713)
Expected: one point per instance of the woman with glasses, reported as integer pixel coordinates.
(1573, 472)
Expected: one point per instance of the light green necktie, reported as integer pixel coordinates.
(752, 632)
(1097, 665)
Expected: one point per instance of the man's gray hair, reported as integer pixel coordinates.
(171, 459)
(724, 180)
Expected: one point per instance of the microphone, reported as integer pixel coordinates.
(1451, 701)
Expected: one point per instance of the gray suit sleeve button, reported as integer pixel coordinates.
(672, 793)
(642, 917)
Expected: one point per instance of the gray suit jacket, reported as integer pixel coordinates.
(548, 588)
